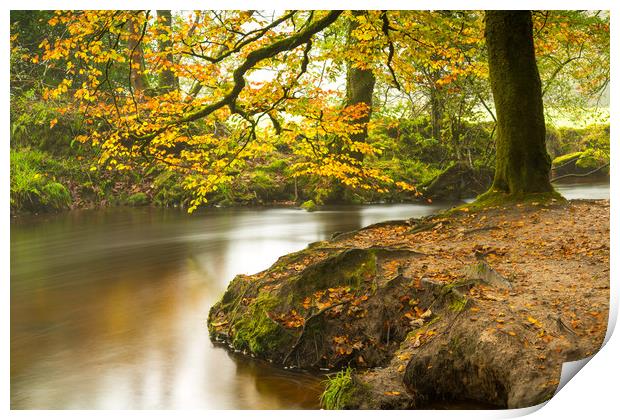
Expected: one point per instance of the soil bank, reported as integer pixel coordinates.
(463, 306)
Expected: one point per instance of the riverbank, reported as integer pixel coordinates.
(481, 306)
(56, 174)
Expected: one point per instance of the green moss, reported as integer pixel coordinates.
(168, 190)
(458, 302)
(591, 159)
(262, 181)
(561, 160)
(138, 199)
(277, 166)
(349, 268)
(492, 199)
(54, 195)
(256, 331)
(32, 187)
(339, 390)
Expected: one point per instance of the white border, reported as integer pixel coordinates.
(591, 395)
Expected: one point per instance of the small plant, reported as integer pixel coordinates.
(338, 390)
(138, 199)
(308, 205)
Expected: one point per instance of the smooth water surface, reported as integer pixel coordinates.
(109, 307)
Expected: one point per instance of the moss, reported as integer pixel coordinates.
(32, 186)
(522, 163)
(493, 198)
(339, 390)
(137, 199)
(277, 166)
(591, 159)
(308, 205)
(561, 160)
(55, 196)
(349, 268)
(256, 331)
(262, 182)
(458, 302)
(168, 190)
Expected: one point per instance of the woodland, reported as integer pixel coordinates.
(485, 110)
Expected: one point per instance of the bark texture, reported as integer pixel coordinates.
(360, 85)
(522, 164)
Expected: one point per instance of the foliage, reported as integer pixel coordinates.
(338, 390)
(308, 205)
(138, 199)
(247, 106)
(31, 188)
(566, 140)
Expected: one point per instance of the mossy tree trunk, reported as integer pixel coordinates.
(360, 86)
(522, 164)
(436, 108)
(168, 81)
(359, 90)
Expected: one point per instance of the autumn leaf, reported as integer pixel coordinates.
(392, 393)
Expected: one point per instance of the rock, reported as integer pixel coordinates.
(459, 181)
(320, 307)
(580, 163)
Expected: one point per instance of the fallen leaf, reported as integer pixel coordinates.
(391, 393)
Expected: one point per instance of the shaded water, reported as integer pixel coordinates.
(108, 307)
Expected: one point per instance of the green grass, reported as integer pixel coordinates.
(32, 189)
(338, 390)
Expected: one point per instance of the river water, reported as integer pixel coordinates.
(109, 306)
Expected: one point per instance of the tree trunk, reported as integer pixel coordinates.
(136, 75)
(360, 87)
(522, 164)
(168, 81)
(436, 113)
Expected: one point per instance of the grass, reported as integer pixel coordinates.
(32, 189)
(338, 390)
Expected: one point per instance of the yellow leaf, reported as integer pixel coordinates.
(53, 122)
(391, 393)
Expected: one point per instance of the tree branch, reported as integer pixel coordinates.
(250, 61)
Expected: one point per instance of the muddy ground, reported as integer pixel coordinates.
(463, 306)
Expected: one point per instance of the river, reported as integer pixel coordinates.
(109, 306)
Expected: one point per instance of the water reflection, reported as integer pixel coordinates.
(108, 307)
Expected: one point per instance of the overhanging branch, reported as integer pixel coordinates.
(250, 61)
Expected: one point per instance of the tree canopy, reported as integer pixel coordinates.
(203, 92)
